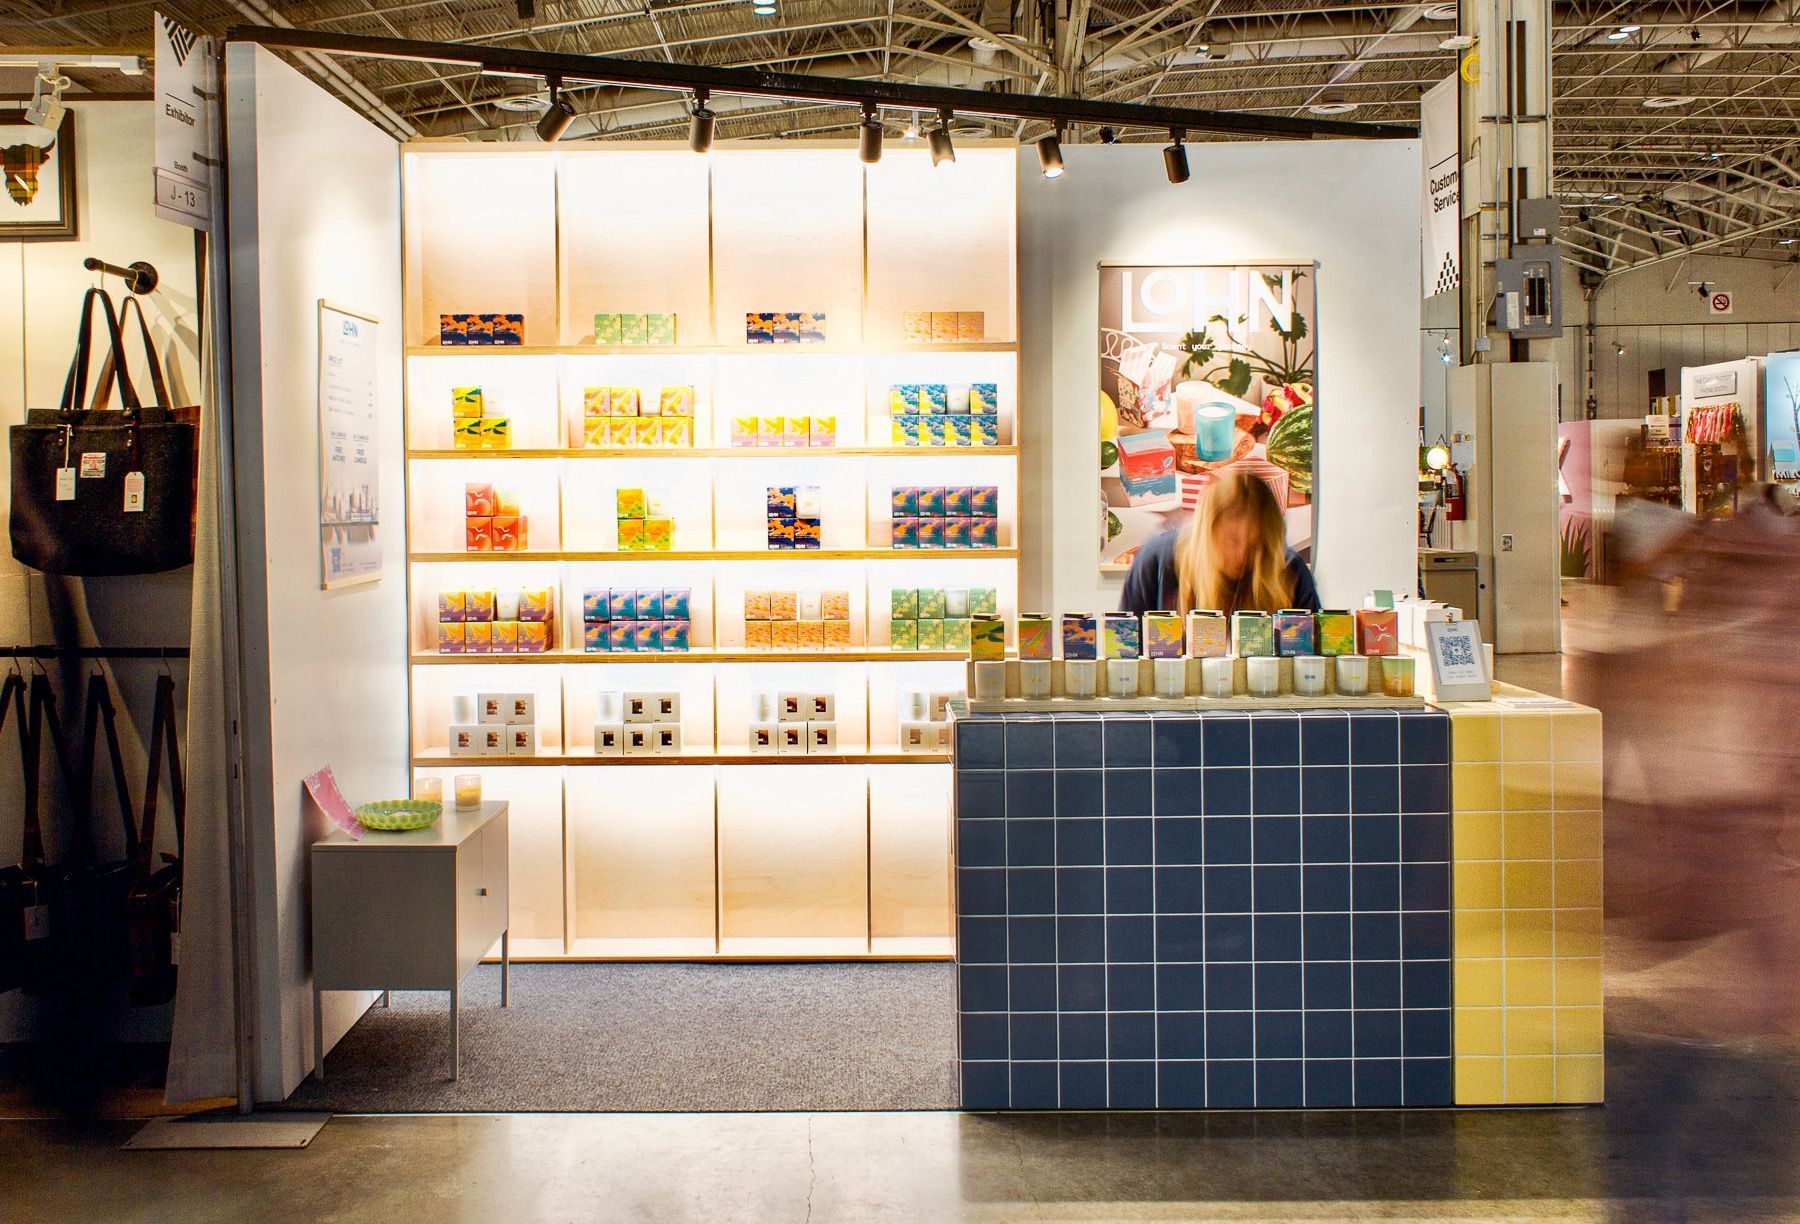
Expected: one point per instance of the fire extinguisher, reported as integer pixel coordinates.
(1456, 506)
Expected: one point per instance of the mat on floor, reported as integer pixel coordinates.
(658, 1037)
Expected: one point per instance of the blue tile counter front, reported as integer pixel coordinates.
(1219, 910)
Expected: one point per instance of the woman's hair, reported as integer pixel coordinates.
(1266, 583)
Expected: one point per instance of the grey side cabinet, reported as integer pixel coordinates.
(409, 911)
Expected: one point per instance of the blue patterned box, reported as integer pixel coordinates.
(984, 399)
(934, 399)
(933, 502)
(650, 604)
(1122, 635)
(1294, 632)
(905, 500)
(595, 637)
(621, 604)
(676, 601)
(596, 606)
(1080, 635)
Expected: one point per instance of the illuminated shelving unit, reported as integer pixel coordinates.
(715, 853)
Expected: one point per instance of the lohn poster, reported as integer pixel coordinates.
(349, 415)
(1203, 369)
(1781, 403)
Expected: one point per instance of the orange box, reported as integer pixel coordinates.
(1377, 631)
(478, 500)
(506, 637)
(834, 605)
(478, 606)
(811, 635)
(756, 605)
(534, 637)
(631, 535)
(450, 637)
(659, 534)
(783, 605)
(509, 533)
(784, 635)
(837, 634)
(478, 535)
(945, 326)
(478, 637)
(756, 635)
(971, 326)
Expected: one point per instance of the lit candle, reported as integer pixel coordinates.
(429, 788)
(468, 790)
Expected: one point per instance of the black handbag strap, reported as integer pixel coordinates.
(43, 717)
(12, 702)
(158, 412)
(100, 713)
(164, 738)
(75, 385)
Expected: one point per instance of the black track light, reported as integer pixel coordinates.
(700, 125)
(1175, 163)
(868, 136)
(1049, 151)
(939, 139)
(556, 120)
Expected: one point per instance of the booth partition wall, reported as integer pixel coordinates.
(680, 489)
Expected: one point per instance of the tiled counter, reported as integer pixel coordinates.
(1277, 908)
(1204, 910)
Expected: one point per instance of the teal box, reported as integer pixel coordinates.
(903, 604)
(677, 634)
(596, 638)
(984, 601)
(934, 399)
(931, 532)
(606, 329)
(984, 533)
(956, 501)
(650, 604)
(621, 636)
(906, 500)
(984, 399)
(934, 502)
(984, 501)
(906, 531)
(911, 429)
(676, 601)
(621, 604)
(961, 430)
(595, 606)
(956, 531)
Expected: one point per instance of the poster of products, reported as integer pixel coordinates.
(1781, 404)
(1204, 369)
(349, 504)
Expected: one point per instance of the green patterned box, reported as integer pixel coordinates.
(1252, 634)
(659, 328)
(606, 329)
(987, 638)
(904, 635)
(1336, 632)
(903, 604)
(633, 329)
(984, 601)
(931, 603)
(957, 631)
(931, 634)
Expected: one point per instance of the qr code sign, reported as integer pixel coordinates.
(1457, 651)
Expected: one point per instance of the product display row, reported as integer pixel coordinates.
(1201, 634)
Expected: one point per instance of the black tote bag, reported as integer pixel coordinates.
(155, 903)
(102, 492)
(24, 886)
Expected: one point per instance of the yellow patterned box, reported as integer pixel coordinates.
(834, 605)
(496, 433)
(756, 635)
(659, 534)
(1036, 637)
(506, 637)
(597, 434)
(596, 401)
(1162, 635)
(676, 402)
(1527, 902)
(621, 432)
(451, 638)
(630, 504)
(478, 637)
(451, 605)
(1337, 632)
(478, 605)
(465, 433)
(796, 431)
(631, 535)
(916, 326)
(647, 432)
(677, 431)
(987, 638)
(903, 399)
(465, 402)
(784, 635)
(746, 431)
(837, 634)
(823, 431)
(811, 635)
(772, 430)
(536, 603)
(624, 401)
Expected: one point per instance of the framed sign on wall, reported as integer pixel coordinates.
(40, 178)
(1203, 369)
(349, 484)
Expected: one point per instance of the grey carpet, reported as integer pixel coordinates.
(658, 1037)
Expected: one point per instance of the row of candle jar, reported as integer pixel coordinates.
(1227, 676)
(468, 790)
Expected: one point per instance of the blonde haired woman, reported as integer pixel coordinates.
(1232, 555)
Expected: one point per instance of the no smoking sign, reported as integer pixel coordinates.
(1719, 302)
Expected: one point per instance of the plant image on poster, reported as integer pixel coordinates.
(1203, 369)
(1781, 404)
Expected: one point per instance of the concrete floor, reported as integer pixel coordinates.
(1690, 1133)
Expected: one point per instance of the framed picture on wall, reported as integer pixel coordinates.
(40, 178)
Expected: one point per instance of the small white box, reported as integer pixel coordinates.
(809, 606)
(491, 707)
(465, 739)
(609, 707)
(521, 708)
(1034, 678)
(494, 739)
(668, 739)
(667, 707)
(990, 679)
(1080, 677)
(791, 739)
(521, 739)
(765, 738)
(940, 703)
(956, 601)
(1122, 677)
(640, 707)
(506, 605)
(916, 735)
(640, 739)
(822, 706)
(793, 706)
(808, 503)
(915, 705)
(821, 737)
(609, 739)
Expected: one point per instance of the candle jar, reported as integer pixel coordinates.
(1215, 425)
(1122, 677)
(1352, 675)
(1034, 678)
(1216, 676)
(1309, 675)
(990, 680)
(429, 788)
(468, 790)
(1396, 676)
(1171, 677)
(1080, 677)
(1262, 674)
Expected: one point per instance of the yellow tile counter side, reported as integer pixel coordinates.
(1526, 902)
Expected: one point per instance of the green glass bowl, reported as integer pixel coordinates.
(399, 815)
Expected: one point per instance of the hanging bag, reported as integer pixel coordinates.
(155, 902)
(102, 492)
(24, 909)
(159, 385)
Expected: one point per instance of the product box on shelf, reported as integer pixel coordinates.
(903, 603)
(933, 603)
(1252, 634)
(1208, 634)
(634, 329)
(1294, 632)
(945, 327)
(984, 399)
(759, 328)
(606, 328)
(1080, 635)
(477, 329)
(1162, 635)
(958, 632)
(931, 633)
(1377, 631)
(465, 403)
(659, 328)
(971, 326)
(1036, 640)
(987, 638)
(1122, 635)
(902, 634)
(916, 326)
(787, 327)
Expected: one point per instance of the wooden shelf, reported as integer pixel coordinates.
(800, 554)
(853, 655)
(439, 758)
(721, 452)
(695, 350)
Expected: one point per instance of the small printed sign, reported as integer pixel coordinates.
(1458, 664)
(93, 465)
(1719, 302)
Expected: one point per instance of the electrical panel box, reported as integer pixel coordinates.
(1539, 220)
(1528, 291)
